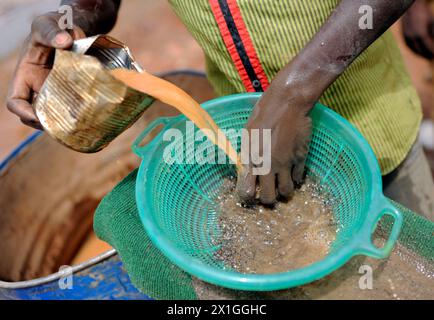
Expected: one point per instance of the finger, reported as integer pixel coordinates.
(46, 31)
(246, 185)
(411, 42)
(285, 186)
(431, 29)
(18, 102)
(77, 33)
(24, 111)
(267, 189)
(426, 47)
(418, 46)
(298, 171)
(33, 124)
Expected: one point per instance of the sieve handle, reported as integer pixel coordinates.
(137, 146)
(367, 247)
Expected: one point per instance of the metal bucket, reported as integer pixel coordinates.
(81, 104)
(47, 197)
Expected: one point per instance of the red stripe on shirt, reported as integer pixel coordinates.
(248, 43)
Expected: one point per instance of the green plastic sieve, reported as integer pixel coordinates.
(176, 207)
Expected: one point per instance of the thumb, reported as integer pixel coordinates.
(46, 32)
(62, 40)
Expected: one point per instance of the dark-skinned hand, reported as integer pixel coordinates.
(35, 62)
(293, 92)
(418, 29)
(283, 111)
(90, 17)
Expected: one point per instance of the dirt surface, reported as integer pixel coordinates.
(91, 247)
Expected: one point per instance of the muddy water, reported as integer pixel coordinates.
(91, 248)
(266, 240)
(174, 96)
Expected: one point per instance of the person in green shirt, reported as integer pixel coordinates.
(298, 52)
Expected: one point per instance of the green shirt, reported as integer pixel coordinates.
(375, 93)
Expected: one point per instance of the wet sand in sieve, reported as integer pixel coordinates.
(265, 240)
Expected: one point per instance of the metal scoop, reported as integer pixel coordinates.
(81, 104)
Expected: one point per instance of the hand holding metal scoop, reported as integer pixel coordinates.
(81, 104)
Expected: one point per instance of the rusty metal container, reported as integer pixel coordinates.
(81, 104)
(48, 195)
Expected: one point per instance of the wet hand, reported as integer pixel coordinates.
(283, 111)
(35, 62)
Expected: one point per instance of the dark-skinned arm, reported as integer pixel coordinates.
(418, 29)
(299, 85)
(94, 16)
(90, 17)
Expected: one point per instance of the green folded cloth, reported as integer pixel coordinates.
(117, 222)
